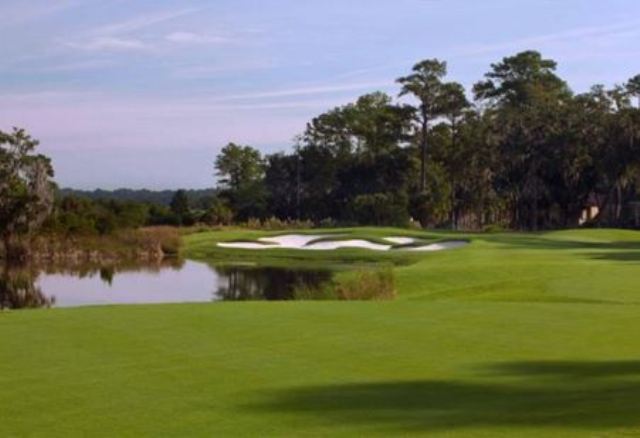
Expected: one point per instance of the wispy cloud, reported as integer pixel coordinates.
(310, 90)
(120, 36)
(109, 44)
(601, 33)
(142, 22)
(195, 38)
(234, 66)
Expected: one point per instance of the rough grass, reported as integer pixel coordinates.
(522, 335)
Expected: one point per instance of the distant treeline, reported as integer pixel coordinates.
(159, 197)
(103, 212)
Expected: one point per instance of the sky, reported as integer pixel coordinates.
(144, 93)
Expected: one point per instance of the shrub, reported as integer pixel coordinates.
(305, 292)
(168, 238)
(327, 223)
(494, 228)
(367, 285)
(254, 224)
(218, 214)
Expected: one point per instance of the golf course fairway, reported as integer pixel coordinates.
(514, 335)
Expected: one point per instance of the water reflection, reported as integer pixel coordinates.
(172, 281)
(18, 290)
(273, 284)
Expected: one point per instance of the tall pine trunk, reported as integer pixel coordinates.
(423, 147)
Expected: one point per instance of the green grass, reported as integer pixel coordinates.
(521, 335)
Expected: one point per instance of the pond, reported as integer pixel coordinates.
(172, 282)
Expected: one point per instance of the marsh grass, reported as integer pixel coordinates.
(324, 292)
(167, 237)
(367, 285)
(146, 243)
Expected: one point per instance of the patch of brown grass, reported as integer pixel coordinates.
(367, 285)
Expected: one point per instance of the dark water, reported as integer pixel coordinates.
(176, 282)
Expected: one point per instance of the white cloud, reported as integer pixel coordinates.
(312, 90)
(118, 36)
(109, 44)
(194, 38)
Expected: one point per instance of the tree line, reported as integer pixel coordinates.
(519, 150)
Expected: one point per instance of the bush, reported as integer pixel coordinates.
(324, 292)
(168, 238)
(367, 285)
(218, 214)
(327, 223)
(494, 228)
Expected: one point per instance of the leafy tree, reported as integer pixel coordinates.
(241, 177)
(180, 203)
(238, 166)
(521, 80)
(633, 87)
(26, 189)
(181, 209)
(526, 99)
(452, 104)
(283, 184)
(381, 209)
(425, 83)
(218, 213)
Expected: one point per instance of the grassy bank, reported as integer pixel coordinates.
(514, 335)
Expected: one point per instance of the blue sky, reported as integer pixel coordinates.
(143, 93)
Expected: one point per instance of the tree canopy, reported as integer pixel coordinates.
(526, 152)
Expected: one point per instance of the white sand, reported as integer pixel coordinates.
(440, 246)
(400, 240)
(331, 245)
(303, 241)
(292, 241)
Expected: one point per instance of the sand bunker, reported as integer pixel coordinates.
(400, 240)
(306, 242)
(355, 243)
(293, 241)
